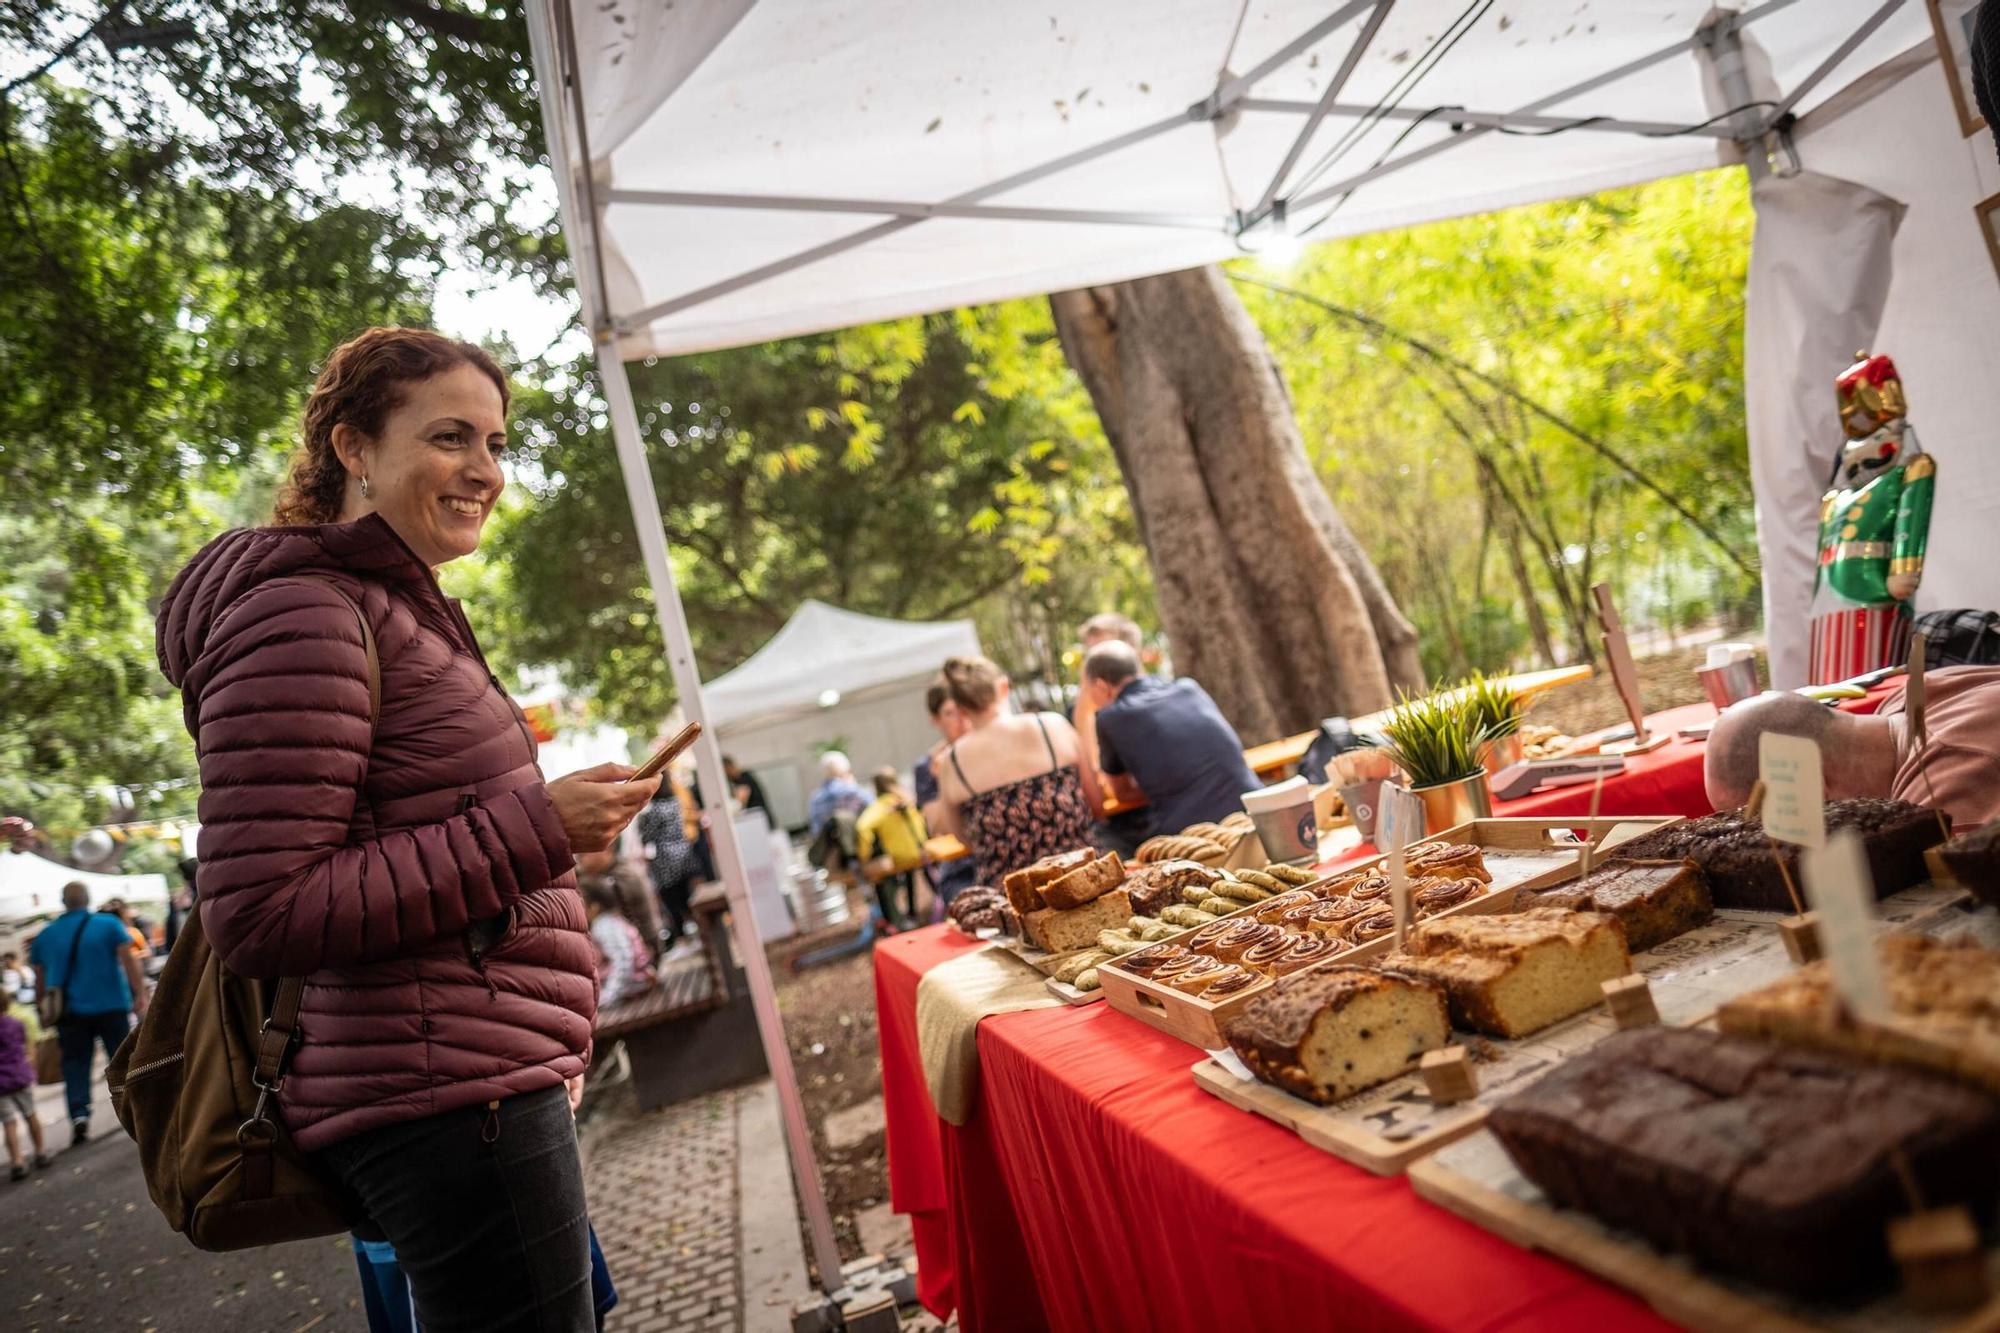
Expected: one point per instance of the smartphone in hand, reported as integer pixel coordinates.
(667, 753)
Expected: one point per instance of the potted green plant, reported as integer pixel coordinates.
(1500, 710)
(1436, 741)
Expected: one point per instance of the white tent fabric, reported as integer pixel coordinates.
(1899, 137)
(823, 648)
(1819, 277)
(32, 886)
(735, 145)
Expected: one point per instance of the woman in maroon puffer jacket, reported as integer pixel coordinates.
(419, 875)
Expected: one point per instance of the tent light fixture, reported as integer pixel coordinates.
(829, 698)
(1270, 237)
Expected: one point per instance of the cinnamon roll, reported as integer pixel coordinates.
(1272, 911)
(1370, 889)
(1145, 961)
(1380, 922)
(1265, 953)
(1299, 918)
(1175, 968)
(1435, 895)
(1236, 979)
(1241, 936)
(1305, 951)
(1204, 938)
(1437, 860)
(1200, 977)
(1333, 918)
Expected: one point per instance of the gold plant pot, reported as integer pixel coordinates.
(1449, 804)
(1498, 754)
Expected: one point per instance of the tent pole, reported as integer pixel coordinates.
(715, 785)
(1720, 46)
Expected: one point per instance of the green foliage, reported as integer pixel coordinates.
(1493, 705)
(1437, 738)
(922, 469)
(1621, 315)
(156, 332)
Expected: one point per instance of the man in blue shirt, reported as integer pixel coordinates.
(89, 957)
(1165, 739)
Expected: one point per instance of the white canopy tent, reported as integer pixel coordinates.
(732, 172)
(831, 678)
(823, 650)
(31, 887)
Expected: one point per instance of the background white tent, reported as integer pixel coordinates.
(732, 172)
(31, 889)
(831, 677)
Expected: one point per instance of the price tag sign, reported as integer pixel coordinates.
(1913, 693)
(1399, 823)
(1794, 792)
(1838, 886)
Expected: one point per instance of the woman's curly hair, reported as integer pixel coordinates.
(360, 385)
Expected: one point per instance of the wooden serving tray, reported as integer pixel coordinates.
(1520, 854)
(1385, 1128)
(1477, 1180)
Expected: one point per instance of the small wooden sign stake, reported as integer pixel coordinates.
(1937, 1249)
(1630, 999)
(1624, 675)
(1590, 834)
(1448, 1075)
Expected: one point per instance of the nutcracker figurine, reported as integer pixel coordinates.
(1873, 525)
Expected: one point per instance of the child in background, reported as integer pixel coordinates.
(20, 1031)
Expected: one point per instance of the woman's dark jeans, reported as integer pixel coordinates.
(485, 1208)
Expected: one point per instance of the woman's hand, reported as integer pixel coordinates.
(597, 803)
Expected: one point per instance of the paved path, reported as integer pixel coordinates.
(81, 1246)
(693, 1204)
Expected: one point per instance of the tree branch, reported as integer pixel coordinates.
(468, 28)
(1547, 414)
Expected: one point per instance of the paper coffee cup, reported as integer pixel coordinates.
(1283, 815)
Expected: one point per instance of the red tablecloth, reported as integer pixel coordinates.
(1095, 1186)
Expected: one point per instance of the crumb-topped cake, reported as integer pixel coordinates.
(1944, 999)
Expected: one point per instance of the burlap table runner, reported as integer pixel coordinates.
(951, 999)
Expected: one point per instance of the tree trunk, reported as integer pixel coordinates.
(1268, 599)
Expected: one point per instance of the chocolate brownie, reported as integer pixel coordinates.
(1773, 1164)
(1742, 870)
(1973, 859)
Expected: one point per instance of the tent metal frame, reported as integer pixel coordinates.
(552, 38)
(1233, 94)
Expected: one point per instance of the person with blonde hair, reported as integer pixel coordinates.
(1012, 787)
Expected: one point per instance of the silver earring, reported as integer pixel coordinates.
(364, 488)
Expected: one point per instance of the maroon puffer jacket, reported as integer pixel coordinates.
(362, 866)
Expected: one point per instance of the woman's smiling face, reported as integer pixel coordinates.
(434, 471)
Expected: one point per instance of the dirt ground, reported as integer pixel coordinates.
(829, 1013)
(829, 1008)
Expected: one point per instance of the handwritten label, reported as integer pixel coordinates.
(1794, 791)
(1399, 819)
(1837, 883)
(1913, 693)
